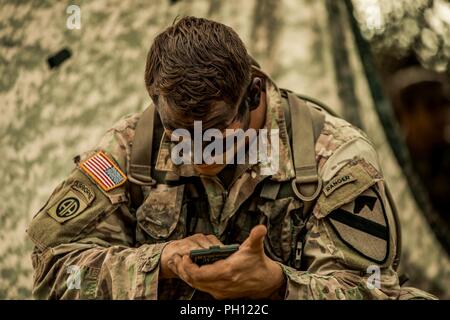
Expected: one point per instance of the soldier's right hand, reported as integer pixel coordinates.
(183, 247)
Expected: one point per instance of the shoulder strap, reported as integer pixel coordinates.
(306, 123)
(141, 155)
(318, 122)
(140, 169)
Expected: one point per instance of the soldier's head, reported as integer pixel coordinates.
(199, 70)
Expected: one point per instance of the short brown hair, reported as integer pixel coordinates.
(195, 63)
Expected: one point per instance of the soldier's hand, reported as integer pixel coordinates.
(179, 248)
(246, 273)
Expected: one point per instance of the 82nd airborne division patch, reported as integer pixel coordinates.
(73, 203)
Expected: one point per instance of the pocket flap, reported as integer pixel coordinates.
(159, 214)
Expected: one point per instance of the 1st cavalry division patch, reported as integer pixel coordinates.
(363, 226)
(103, 171)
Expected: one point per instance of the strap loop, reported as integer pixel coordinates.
(307, 184)
(316, 183)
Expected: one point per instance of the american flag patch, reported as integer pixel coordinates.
(100, 168)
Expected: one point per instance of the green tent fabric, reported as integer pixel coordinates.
(50, 115)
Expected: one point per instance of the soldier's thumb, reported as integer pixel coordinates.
(255, 240)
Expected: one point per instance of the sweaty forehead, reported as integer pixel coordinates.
(219, 116)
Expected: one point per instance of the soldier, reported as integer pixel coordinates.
(122, 225)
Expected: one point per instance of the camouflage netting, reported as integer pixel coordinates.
(50, 115)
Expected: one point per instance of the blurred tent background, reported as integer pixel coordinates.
(370, 60)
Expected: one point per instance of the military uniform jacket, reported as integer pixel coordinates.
(91, 244)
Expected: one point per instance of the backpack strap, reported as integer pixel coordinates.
(140, 169)
(306, 123)
(311, 119)
(318, 122)
(398, 229)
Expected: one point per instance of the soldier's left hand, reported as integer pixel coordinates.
(246, 273)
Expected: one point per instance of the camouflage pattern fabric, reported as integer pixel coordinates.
(117, 249)
(48, 116)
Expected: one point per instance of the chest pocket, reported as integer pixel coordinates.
(161, 216)
(284, 225)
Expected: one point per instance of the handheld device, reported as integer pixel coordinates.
(213, 254)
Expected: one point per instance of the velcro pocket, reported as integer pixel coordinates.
(158, 216)
(282, 226)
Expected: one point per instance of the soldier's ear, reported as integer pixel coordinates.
(254, 93)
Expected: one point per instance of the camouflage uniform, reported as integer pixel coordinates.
(324, 255)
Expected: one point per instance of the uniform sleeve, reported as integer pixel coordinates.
(351, 240)
(84, 240)
(345, 262)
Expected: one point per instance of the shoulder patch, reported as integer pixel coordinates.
(348, 183)
(337, 182)
(103, 171)
(73, 203)
(363, 225)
